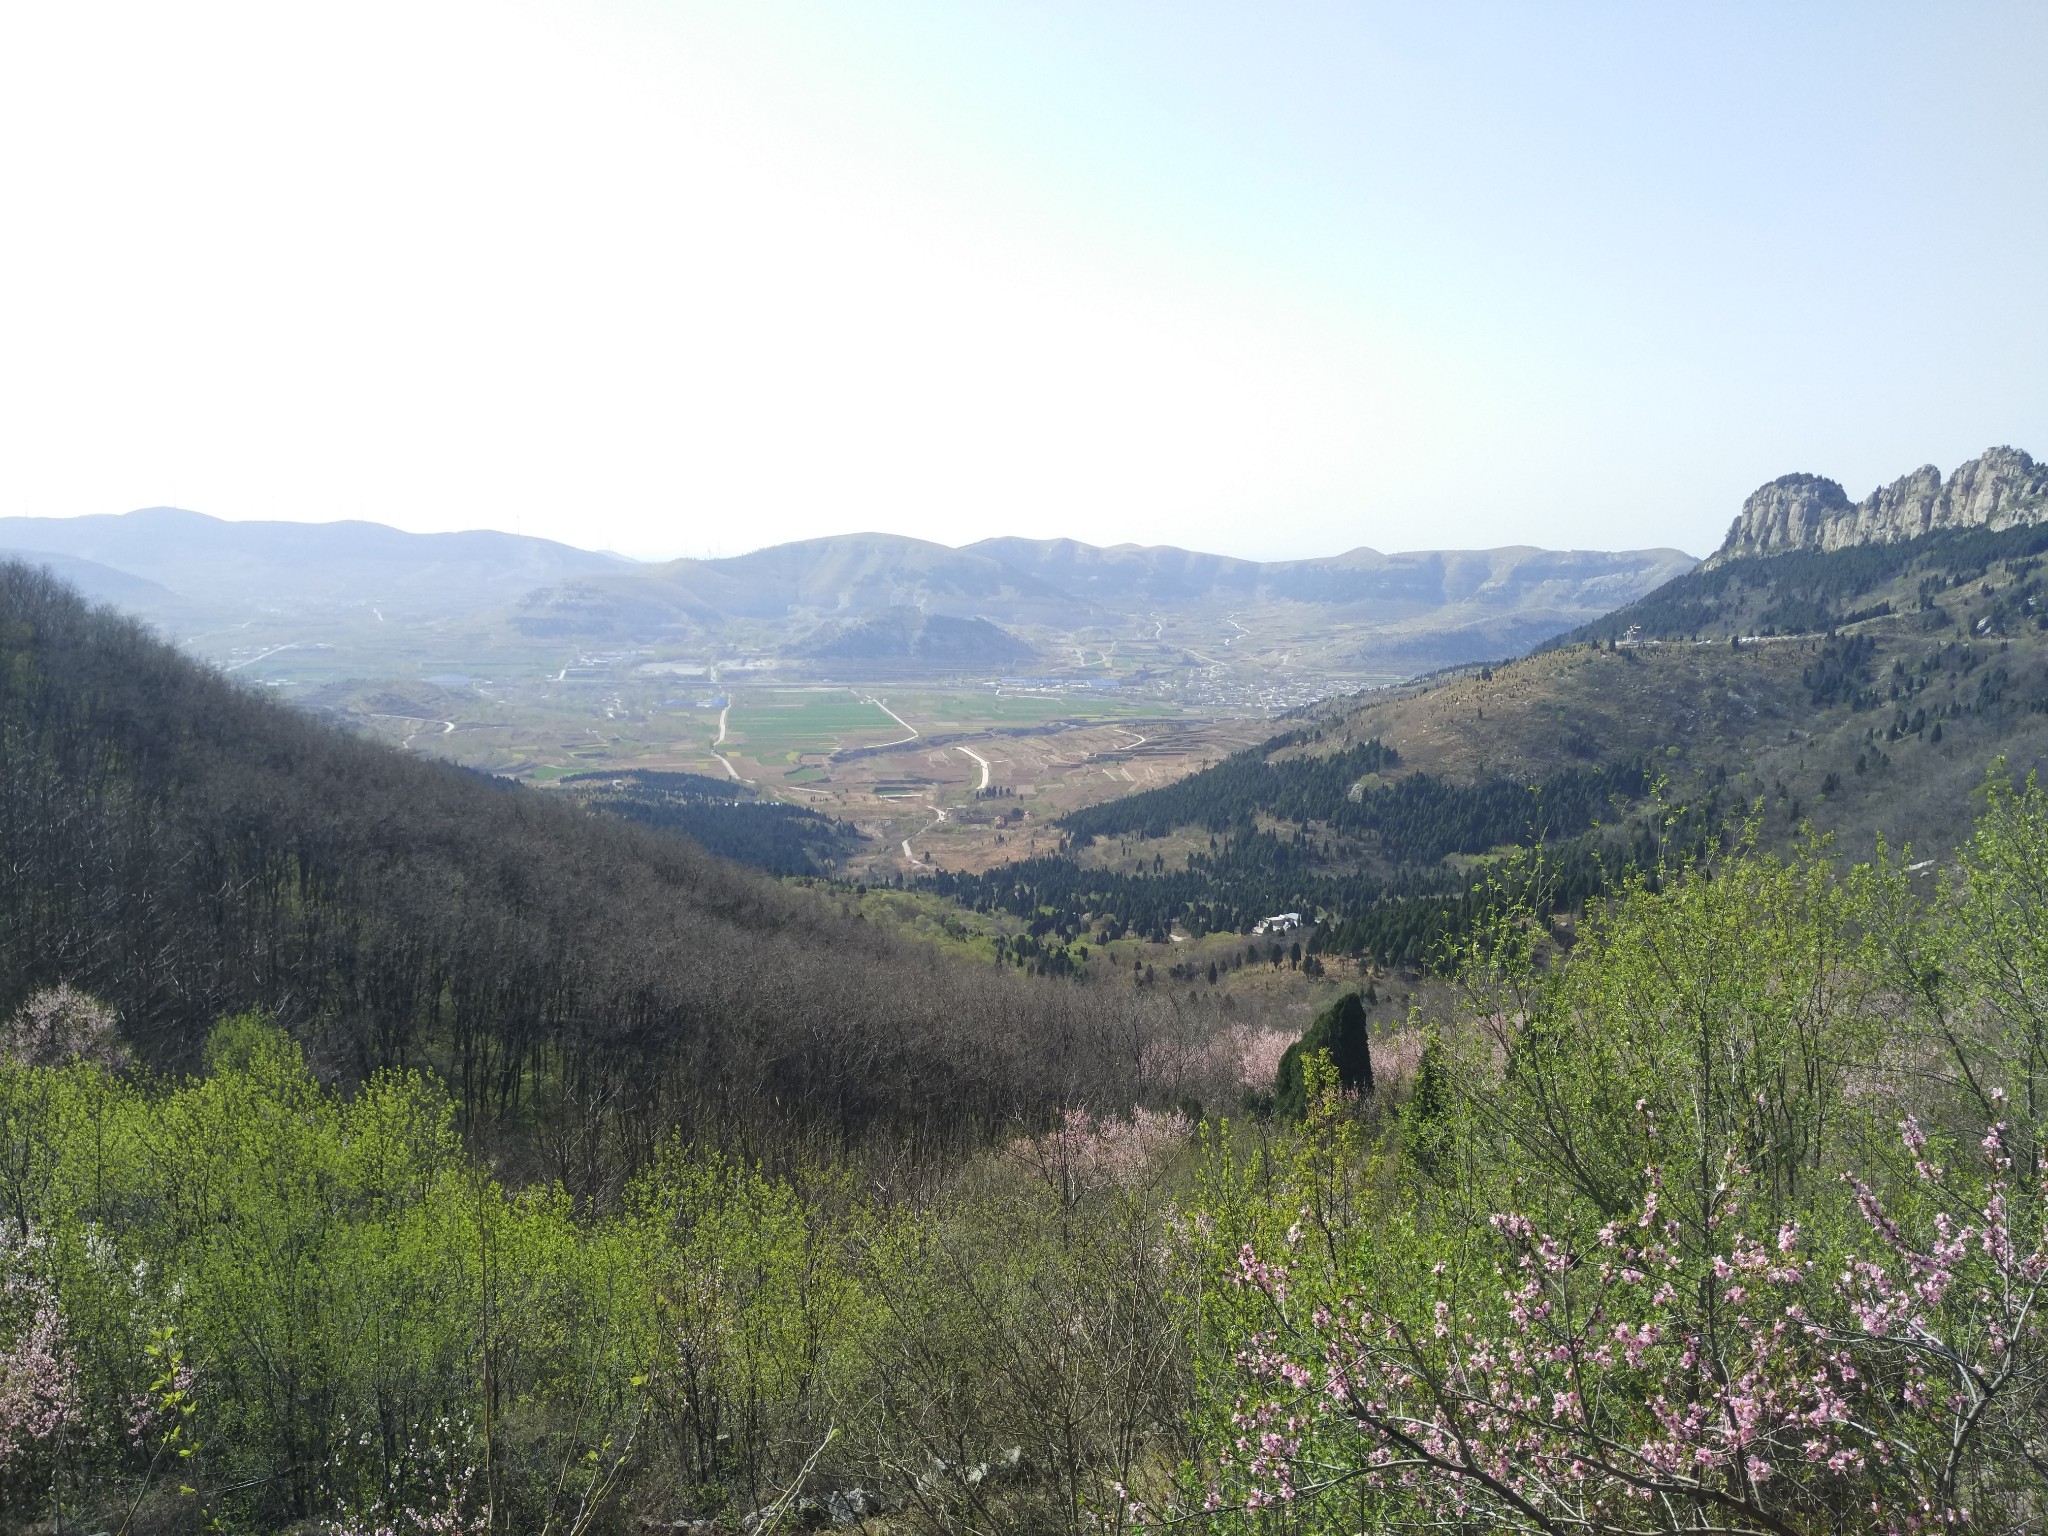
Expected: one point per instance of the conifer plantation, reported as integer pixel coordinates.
(385, 1149)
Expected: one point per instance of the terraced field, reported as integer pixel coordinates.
(980, 709)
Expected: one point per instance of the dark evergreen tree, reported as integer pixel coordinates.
(1339, 1029)
(1427, 1119)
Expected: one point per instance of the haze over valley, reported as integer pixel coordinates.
(1023, 769)
(914, 708)
(792, 671)
(865, 604)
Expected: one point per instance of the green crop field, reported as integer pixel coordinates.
(773, 723)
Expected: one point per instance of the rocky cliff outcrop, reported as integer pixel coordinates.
(1998, 489)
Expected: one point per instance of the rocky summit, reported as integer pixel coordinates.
(1999, 488)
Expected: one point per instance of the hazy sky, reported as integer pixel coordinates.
(679, 277)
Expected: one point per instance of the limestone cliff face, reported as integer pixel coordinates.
(1998, 489)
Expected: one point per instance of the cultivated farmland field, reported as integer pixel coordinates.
(776, 723)
(999, 761)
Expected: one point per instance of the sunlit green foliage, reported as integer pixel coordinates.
(251, 1297)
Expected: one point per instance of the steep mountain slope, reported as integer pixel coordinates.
(1379, 822)
(1866, 685)
(186, 848)
(1883, 731)
(1787, 569)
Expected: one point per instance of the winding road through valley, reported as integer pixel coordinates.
(719, 742)
(867, 698)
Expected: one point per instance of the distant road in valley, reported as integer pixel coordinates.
(415, 721)
(885, 709)
(938, 815)
(719, 742)
(259, 656)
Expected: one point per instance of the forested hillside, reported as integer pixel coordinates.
(1858, 693)
(386, 1149)
(1239, 788)
(1807, 590)
(1369, 857)
(1342, 852)
(1727, 1215)
(721, 816)
(186, 849)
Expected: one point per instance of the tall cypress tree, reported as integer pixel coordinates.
(1340, 1030)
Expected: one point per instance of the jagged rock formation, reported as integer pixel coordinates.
(1999, 488)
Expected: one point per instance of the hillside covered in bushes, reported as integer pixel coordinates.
(386, 1149)
(1729, 1216)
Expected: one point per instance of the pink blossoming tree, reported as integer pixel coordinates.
(1648, 1384)
(1088, 1152)
(40, 1397)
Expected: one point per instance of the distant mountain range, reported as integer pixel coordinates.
(896, 603)
(1407, 610)
(909, 634)
(1032, 581)
(178, 566)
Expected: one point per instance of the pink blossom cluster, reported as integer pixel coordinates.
(39, 1379)
(1655, 1378)
(1084, 1152)
(449, 1514)
(1236, 1057)
(1256, 1055)
(1397, 1059)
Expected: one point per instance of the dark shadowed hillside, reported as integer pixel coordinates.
(721, 816)
(185, 849)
